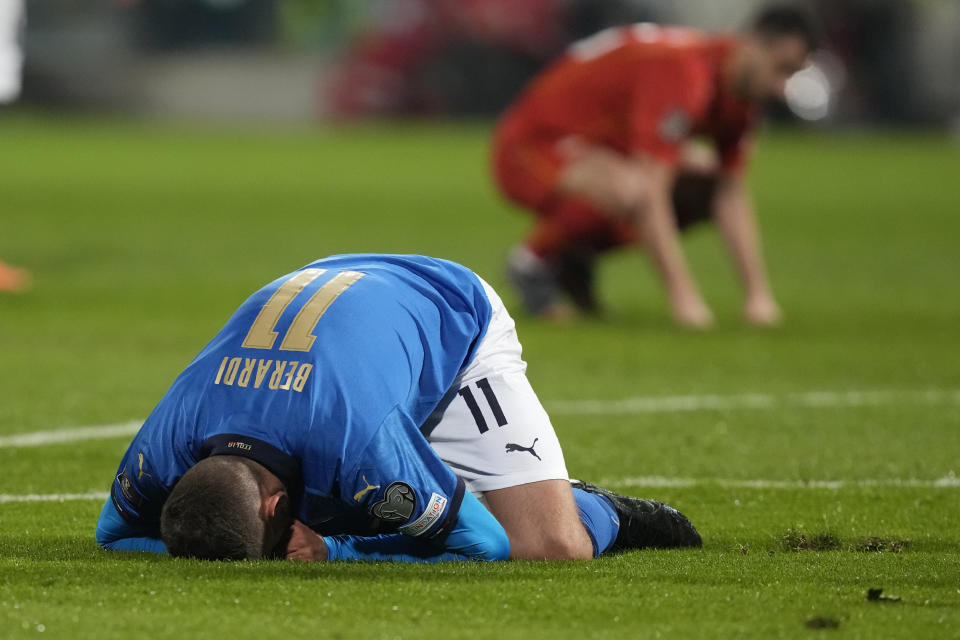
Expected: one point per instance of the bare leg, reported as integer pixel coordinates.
(541, 520)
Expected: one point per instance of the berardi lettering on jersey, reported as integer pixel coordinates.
(255, 373)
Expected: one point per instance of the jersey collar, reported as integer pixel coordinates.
(282, 465)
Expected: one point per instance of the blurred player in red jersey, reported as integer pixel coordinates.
(601, 146)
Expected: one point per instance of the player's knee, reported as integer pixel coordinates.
(556, 546)
(631, 195)
(569, 548)
(629, 188)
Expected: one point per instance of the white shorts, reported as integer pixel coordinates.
(494, 433)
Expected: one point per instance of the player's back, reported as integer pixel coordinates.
(334, 346)
(600, 84)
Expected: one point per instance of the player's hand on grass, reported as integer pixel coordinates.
(691, 311)
(762, 311)
(306, 544)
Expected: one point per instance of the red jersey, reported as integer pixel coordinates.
(638, 89)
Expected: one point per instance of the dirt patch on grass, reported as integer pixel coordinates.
(800, 541)
(822, 623)
(882, 545)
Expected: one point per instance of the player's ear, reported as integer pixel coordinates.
(278, 517)
(277, 505)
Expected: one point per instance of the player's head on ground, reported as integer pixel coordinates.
(226, 508)
(775, 47)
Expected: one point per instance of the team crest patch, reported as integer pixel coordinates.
(675, 125)
(432, 513)
(398, 504)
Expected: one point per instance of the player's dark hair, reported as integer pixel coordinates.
(787, 20)
(213, 512)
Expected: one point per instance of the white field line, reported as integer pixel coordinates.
(754, 401)
(625, 406)
(949, 481)
(57, 436)
(53, 497)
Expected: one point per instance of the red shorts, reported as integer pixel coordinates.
(527, 166)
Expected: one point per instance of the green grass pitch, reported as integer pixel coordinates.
(143, 240)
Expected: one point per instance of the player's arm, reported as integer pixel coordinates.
(654, 216)
(639, 189)
(400, 481)
(733, 211)
(116, 534)
(476, 535)
(671, 92)
(130, 518)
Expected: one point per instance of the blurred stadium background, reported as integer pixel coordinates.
(885, 61)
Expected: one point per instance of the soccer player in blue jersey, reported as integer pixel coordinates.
(365, 407)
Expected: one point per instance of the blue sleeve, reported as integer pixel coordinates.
(400, 480)
(116, 534)
(476, 536)
(156, 458)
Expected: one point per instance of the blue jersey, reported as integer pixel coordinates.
(325, 377)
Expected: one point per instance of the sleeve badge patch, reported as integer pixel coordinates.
(126, 488)
(427, 518)
(398, 504)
